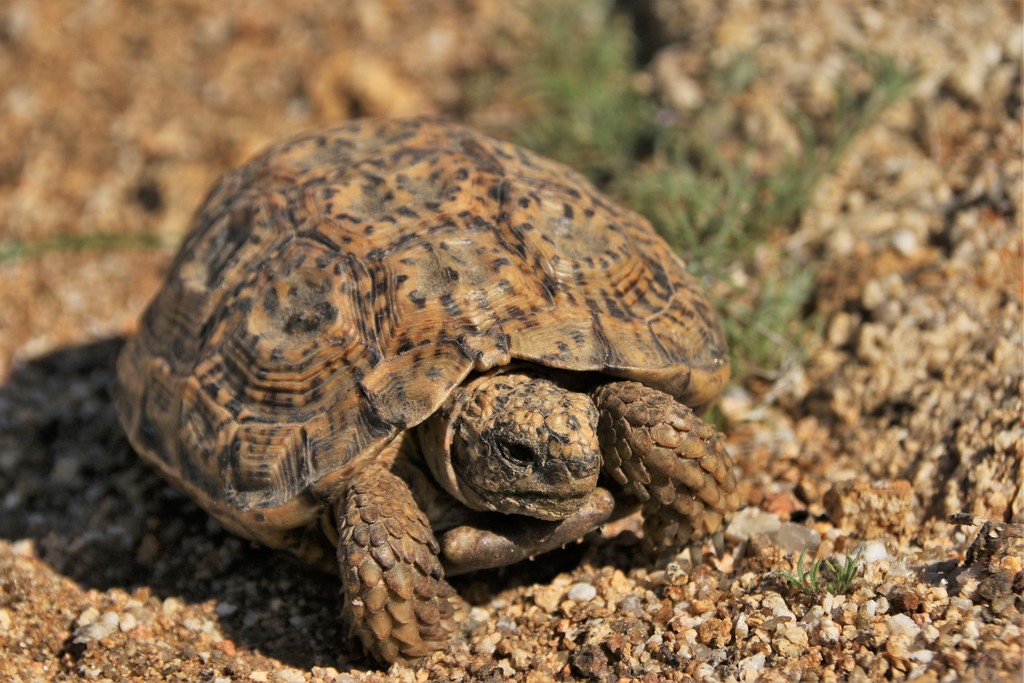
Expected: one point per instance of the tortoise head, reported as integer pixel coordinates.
(515, 444)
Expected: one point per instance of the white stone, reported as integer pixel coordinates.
(753, 662)
(582, 592)
(750, 521)
(873, 551)
(127, 622)
(288, 676)
(901, 625)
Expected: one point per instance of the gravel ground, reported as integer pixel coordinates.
(116, 117)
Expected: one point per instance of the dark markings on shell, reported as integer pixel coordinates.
(612, 307)
(451, 306)
(270, 301)
(306, 322)
(320, 238)
(151, 438)
(375, 424)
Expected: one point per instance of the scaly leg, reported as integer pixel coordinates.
(673, 462)
(396, 598)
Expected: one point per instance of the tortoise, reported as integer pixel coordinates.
(400, 349)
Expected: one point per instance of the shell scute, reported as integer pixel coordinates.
(264, 459)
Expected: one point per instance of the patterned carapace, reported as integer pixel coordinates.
(338, 286)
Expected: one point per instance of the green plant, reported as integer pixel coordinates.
(809, 579)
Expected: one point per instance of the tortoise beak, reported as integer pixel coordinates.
(555, 488)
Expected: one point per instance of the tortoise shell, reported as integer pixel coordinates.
(337, 287)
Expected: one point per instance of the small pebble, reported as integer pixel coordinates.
(872, 295)
(506, 624)
(631, 604)
(902, 625)
(128, 621)
(98, 629)
(740, 628)
(171, 606)
(750, 521)
(752, 663)
(970, 630)
(794, 538)
(88, 615)
(905, 242)
(25, 547)
(582, 592)
(288, 676)
(488, 644)
(477, 616)
(783, 612)
(225, 609)
(828, 631)
(521, 659)
(873, 551)
(962, 604)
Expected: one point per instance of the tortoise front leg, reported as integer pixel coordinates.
(673, 462)
(396, 598)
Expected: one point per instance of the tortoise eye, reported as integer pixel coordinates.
(520, 455)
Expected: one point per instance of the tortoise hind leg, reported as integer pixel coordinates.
(396, 598)
(669, 459)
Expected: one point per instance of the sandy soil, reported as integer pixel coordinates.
(117, 116)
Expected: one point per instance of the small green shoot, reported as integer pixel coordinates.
(805, 579)
(809, 579)
(844, 575)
